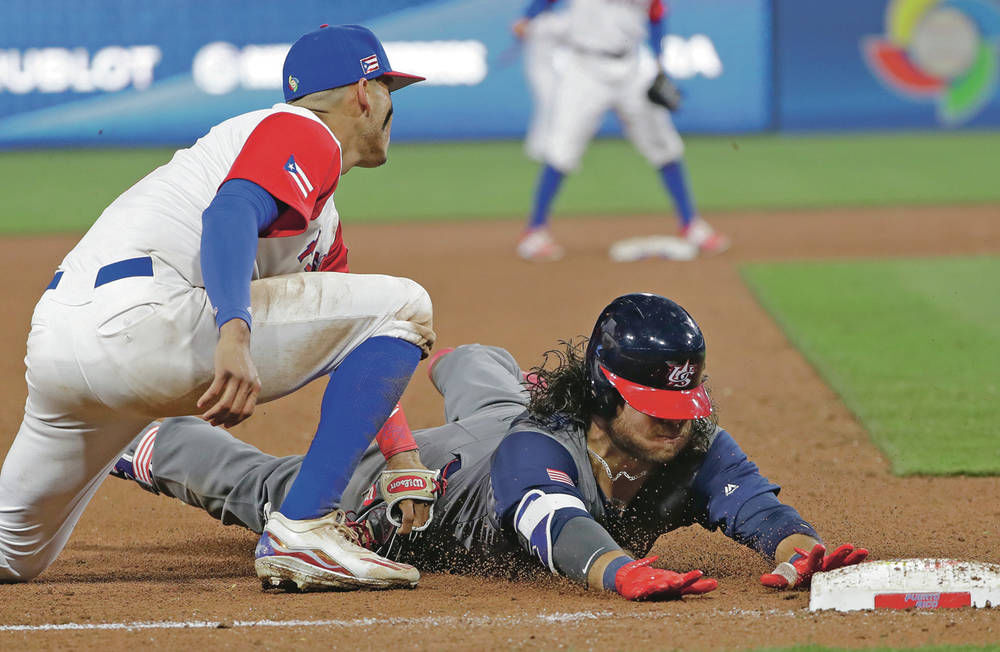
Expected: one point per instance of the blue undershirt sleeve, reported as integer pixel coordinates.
(230, 226)
(657, 30)
(536, 7)
(735, 497)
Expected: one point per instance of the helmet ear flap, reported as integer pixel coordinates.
(606, 398)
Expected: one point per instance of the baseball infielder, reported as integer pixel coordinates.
(580, 65)
(194, 293)
(615, 448)
(544, 55)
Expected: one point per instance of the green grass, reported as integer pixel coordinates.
(912, 346)
(65, 190)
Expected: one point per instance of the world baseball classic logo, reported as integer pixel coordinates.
(943, 51)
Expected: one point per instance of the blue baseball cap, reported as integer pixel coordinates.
(338, 55)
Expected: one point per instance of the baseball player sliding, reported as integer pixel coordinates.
(601, 65)
(608, 450)
(193, 293)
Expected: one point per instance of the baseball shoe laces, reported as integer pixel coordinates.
(360, 532)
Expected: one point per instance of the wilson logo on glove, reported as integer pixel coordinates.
(399, 485)
(406, 483)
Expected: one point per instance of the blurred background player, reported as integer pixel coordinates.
(615, 447)
(216, 282)
(543, 40)
(604, 67)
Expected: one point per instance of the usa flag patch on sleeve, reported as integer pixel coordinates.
(559, 476)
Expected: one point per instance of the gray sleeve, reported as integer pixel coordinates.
(473, 377)
(581, 541)
(208, 468)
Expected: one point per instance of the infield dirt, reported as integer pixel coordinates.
(136, 557)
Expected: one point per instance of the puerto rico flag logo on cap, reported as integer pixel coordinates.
(369, 64)
(298, 175)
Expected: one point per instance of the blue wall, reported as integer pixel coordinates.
(115, 72)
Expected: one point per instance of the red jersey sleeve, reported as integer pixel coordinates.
(295, 159)
(657, 10)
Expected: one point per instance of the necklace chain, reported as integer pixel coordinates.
(607, 469)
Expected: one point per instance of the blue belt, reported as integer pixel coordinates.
(141, 266)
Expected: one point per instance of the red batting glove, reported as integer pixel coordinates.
(800, 572)
(637, 581)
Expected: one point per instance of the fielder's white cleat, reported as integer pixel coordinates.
(707, 239)
(324, 554)
(538, 246)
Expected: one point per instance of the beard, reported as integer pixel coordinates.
(648, 447)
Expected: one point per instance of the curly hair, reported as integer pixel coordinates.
(559, 390)
(562, 390)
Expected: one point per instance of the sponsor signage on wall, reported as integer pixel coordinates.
(108, 74)
(112, 75)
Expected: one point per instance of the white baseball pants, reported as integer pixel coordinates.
(102, 362)
(592, 84)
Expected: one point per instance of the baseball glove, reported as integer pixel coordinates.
(421, 485)
(663, 92)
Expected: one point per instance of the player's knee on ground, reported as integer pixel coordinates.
(22, 568)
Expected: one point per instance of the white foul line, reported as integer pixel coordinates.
(427, 621)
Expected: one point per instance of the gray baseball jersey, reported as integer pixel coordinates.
(234, 481)
(496, 457)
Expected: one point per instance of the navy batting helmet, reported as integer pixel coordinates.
(649, 352)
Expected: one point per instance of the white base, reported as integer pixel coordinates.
(652, 246)
(907, 583)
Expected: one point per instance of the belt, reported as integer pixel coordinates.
(141, 266)
(609, 54)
